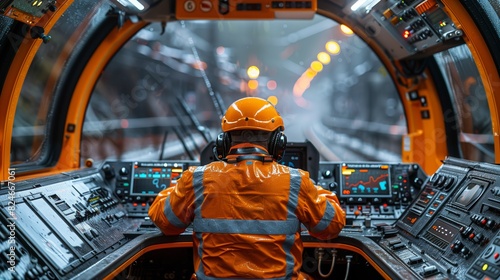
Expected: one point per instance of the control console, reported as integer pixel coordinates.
(54, 228)
(372, 192)
(451, 230)
(138, 183)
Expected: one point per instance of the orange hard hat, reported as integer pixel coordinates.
(252, 113)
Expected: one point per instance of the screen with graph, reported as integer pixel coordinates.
(150, 178)
(360, 180)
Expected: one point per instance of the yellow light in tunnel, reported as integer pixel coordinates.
(316, 66)
(273, 99)
(301, 85)
(346, 30)
(253, 72)
(310, 73)
(324, 58)
(253, 84)
(332, 47)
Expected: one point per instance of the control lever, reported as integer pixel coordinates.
(109, 172)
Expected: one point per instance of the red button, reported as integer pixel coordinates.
(496, 255)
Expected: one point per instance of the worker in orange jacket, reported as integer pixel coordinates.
(247, 209)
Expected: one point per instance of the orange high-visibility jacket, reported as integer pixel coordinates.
(246, 217)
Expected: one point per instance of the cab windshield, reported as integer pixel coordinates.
(164, 93)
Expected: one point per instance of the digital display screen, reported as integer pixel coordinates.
(294, 159)
(444, 230)
(470, 194)
(358, 180)
(150, 178)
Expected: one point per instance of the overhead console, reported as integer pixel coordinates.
(405, 28)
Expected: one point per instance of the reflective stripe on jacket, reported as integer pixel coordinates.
(246, 217)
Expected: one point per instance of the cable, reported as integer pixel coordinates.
(348, 258)
(321, 253)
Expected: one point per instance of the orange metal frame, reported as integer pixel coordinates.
(14, 83)
(484, 61)
(70, 158)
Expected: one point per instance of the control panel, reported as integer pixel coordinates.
(446, 226)
(372, 192)
(137, 184)
(255, 9)
(55, 228)
(406, 27)
(451, 230)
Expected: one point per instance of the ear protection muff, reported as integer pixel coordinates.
(222, 145)
(277, 144)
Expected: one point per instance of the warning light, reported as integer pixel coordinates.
(406, 34)
(442, 23)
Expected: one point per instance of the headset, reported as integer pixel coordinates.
(276, 146)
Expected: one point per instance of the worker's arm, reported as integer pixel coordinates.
(172, 210)
(319, 210)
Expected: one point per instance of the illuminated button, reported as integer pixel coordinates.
(485, 267)
(496, 255)
(143, 204)
(134, 204)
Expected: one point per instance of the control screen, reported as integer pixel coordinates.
(294, 158)
(365, 180)
(150, 178)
